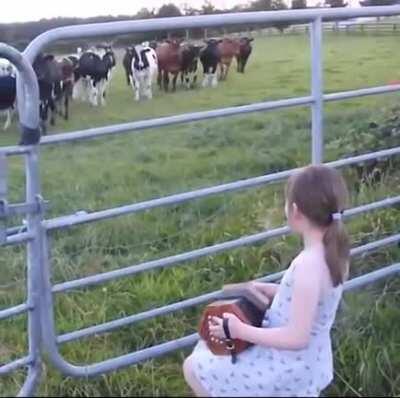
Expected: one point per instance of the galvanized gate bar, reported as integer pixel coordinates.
(317, 144)
(139, 127)
(205, 251)
(14, 311)
(28, 94)
(34, 257)
(17, 239)
(14, 365)
(76, 219)
(32, 380)
(28, 111)
(166, 348)
(206, 21)
(3, 198)
(362, 92)
(184, 304)
(14, 150)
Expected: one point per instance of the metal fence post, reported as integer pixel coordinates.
(34, 260)
(317, 150)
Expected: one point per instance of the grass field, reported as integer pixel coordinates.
(120, 170)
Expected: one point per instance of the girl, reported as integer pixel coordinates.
(292, 356)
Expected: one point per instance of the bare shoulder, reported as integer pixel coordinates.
(307, 267)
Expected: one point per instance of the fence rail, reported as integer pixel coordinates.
(37, 230)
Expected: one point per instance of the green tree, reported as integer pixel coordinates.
(298, 4)
(169, 10)
(335, 3)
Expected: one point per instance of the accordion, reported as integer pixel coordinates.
(242, 300)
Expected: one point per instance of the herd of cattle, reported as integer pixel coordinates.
(86, 75)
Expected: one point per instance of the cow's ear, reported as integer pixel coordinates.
(251, 39)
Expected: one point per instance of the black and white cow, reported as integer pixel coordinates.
(93, 74)
(144, 69)
(210, 57)
(7, 90)
(190, 58)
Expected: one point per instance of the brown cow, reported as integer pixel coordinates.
(228, 48)
(244, 53)
(169, 56)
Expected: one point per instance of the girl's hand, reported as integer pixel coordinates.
(217, 330)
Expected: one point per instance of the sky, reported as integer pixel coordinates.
(25, 10)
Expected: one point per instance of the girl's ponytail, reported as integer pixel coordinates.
(337, 250)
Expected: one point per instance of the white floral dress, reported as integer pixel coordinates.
(269, 372)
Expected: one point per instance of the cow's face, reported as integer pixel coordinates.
(174, 43)
(109, 54)
(195, 50)
(213, 42)
(246, 40)
(6, 68)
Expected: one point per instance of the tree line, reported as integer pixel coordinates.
(20, 34)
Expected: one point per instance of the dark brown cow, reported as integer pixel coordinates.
(228, 48)
(169, 56)
(244, 53)
(55, 80)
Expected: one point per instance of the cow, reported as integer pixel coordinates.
(7, 90)
(228, 49)
(210, 57)
(169, 57)
(94, 72)
(144, 68)
(245, 49)
(55, 79)
(189, 60)
(127, 64)
(128, 56)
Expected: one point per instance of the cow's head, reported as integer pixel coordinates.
(153, 44)
(174, 42)
(246, 40)
(6, 67)
(196, 50)
(109, 55)
(213, 42)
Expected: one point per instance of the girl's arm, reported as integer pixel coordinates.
(295, 335)
(268, 289)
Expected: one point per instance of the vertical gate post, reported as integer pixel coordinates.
(28, 110)
(317, 135)
(34, 258)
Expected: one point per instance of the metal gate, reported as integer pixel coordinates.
(40, 290)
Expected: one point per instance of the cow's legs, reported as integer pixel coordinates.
(102, 92)
(205, 80)
(159, 79)
(166, 80)
(174, 79)
(136, 88)
(94, 89)
(147, 83)
(8, 120)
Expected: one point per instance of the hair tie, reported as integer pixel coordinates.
(337, 216)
